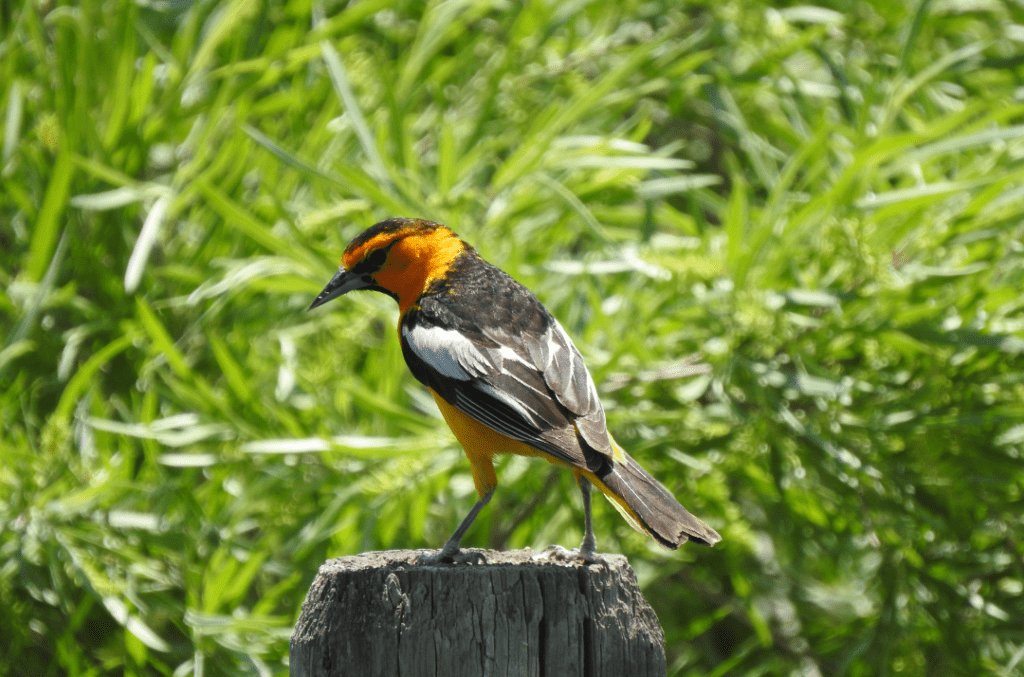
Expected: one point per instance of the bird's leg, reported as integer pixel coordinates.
(587, 552)
(588, 548)
(451, 546)
(450, 551)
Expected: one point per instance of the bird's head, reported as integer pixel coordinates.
(399, 257)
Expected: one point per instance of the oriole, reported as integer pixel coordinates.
(505, 375)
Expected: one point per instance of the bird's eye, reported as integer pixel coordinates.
(374, 261)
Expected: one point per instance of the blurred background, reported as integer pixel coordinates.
(787, 239)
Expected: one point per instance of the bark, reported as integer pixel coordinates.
(381, 613)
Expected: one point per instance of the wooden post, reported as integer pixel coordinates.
(381, 613)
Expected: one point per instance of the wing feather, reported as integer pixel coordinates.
(568, 380)
(500, 385)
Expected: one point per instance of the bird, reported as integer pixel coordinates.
(505, 376)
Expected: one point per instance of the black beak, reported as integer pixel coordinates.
(342, 283)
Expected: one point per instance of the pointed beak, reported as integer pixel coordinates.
(342, 283)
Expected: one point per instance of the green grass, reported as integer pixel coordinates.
(823, 204)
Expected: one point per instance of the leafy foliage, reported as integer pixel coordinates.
(788, 241)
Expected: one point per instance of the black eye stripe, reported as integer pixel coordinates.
(374, 260)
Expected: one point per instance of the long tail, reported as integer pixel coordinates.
(649, 507)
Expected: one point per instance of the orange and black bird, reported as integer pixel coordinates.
(505, 375)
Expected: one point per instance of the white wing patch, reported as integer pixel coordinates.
(447, 351)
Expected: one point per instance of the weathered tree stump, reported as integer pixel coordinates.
(381, 613)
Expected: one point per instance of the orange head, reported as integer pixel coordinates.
(399, 257)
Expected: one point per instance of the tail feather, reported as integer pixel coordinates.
(650, 508)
